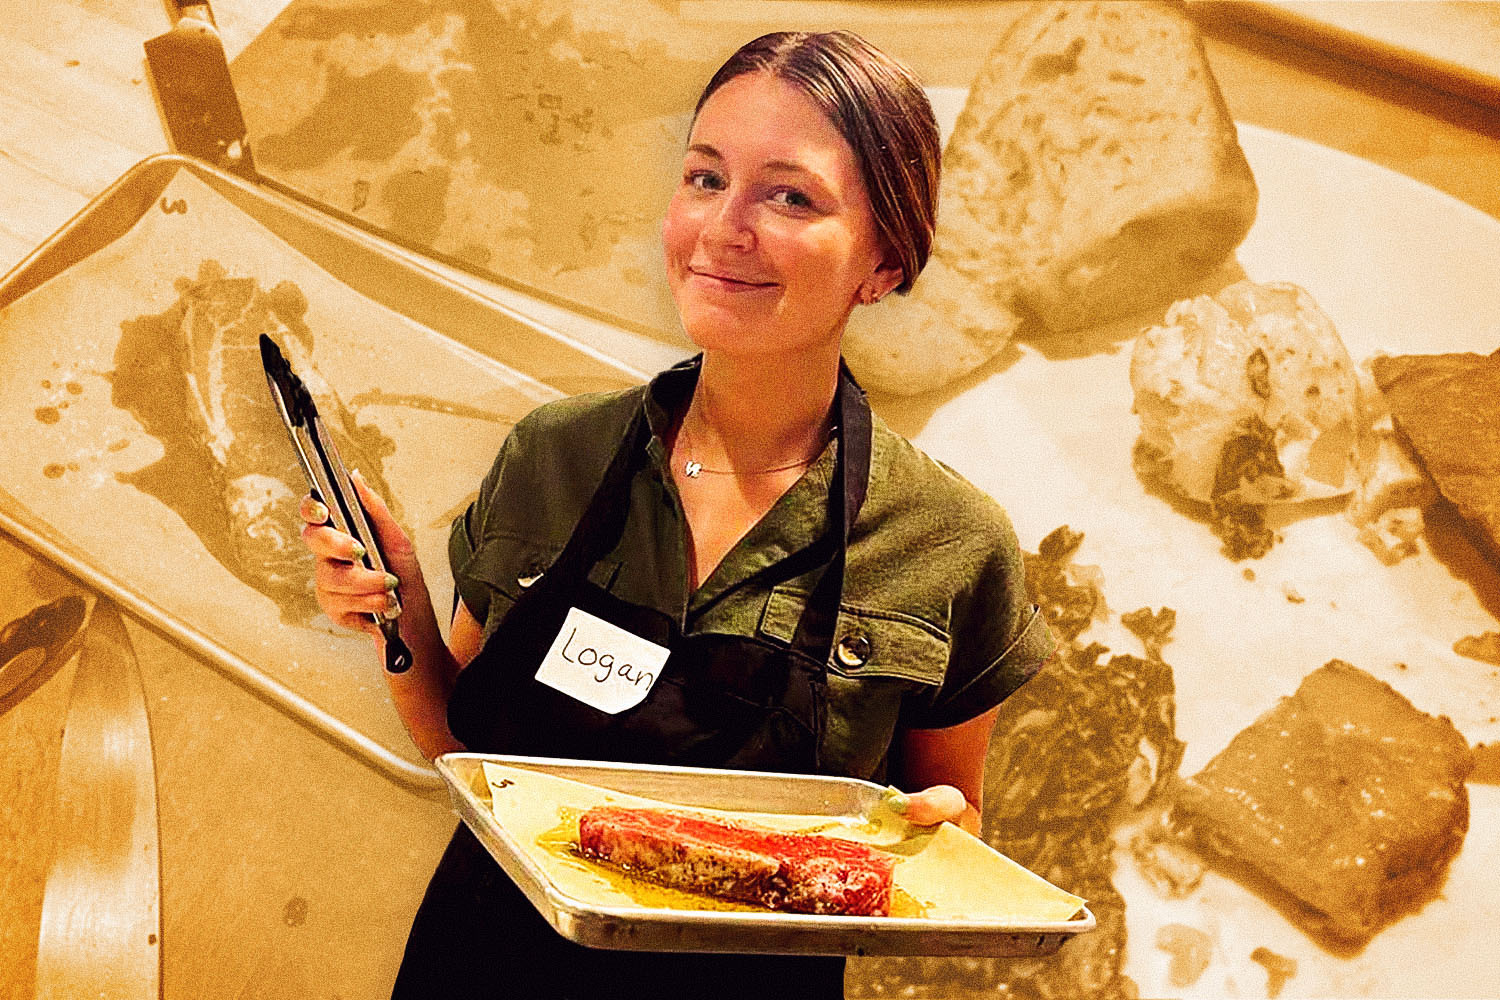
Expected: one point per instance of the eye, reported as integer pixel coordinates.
(704, 180)
(790, 198)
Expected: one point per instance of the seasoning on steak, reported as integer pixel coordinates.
(799, 872)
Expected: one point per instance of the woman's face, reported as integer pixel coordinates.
(770, 233)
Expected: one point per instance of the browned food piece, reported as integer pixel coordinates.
(804, 873)
(1343, 804)
(1447, 407)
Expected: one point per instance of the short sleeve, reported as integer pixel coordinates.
(999, 639)
(467, 530)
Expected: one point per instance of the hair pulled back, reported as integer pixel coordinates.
(879, 107)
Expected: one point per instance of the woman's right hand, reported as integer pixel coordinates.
(348, 591)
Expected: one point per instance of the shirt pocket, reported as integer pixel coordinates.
(881, 662)
(867, 642)
(505, 566)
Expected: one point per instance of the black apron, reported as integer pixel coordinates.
(735, 701)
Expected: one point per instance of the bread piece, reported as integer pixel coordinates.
(1094, 171)
(1343, 804)
(1447, 407)
(946, 327)
(1097, 161)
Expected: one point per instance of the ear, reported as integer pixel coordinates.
(880, 283)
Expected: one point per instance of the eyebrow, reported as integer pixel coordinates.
(789, 165)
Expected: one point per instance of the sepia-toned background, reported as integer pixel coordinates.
(296, 828)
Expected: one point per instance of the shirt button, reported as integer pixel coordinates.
(853, 650)
(531, 575)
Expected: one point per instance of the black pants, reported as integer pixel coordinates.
(477, 936)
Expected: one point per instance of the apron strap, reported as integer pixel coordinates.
(819, 622)
(603, 522)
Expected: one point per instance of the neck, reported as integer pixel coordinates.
(755, 413)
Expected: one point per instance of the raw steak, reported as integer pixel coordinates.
(804, 873)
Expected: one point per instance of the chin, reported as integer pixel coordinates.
(724, 330)
(745, 333)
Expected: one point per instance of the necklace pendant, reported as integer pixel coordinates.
(692, 468)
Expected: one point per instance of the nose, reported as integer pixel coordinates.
(730, 223)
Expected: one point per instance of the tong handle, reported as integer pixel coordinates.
(329, 483)
(357, 523)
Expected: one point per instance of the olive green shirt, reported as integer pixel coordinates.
(935, 626)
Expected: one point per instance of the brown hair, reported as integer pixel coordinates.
(879, 107)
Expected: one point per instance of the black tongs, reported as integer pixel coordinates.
(328, 481)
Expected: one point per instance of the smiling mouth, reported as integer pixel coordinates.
(731, 283)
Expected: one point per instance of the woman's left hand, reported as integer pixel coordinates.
(935, 804)
(948, 766)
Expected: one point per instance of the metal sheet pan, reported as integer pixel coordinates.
(387, 326)
(650, 928)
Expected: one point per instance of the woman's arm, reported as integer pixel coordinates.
(349, 592)
(948, 765)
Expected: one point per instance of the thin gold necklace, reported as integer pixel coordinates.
(693, 468)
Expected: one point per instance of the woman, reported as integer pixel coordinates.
(828, 599)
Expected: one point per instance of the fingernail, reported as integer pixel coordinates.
(391, 583)
(319, 512)
(896, 801)
(358, 550)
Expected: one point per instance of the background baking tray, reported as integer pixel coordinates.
(649, 928)
(93, 478)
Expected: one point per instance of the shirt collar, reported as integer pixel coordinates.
(668, 392)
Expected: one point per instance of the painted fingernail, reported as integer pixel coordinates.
(391, 583)
(318, 511)
(896, 801)
(358, 550)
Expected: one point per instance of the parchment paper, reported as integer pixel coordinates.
(956, 876)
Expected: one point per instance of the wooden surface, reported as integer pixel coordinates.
(288, 868)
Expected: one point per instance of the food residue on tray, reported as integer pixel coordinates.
(1111, 719)
(192, 376)
(1191, 951)
(1278, 968)
(1484, 647)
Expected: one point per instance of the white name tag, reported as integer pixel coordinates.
(601, 664)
